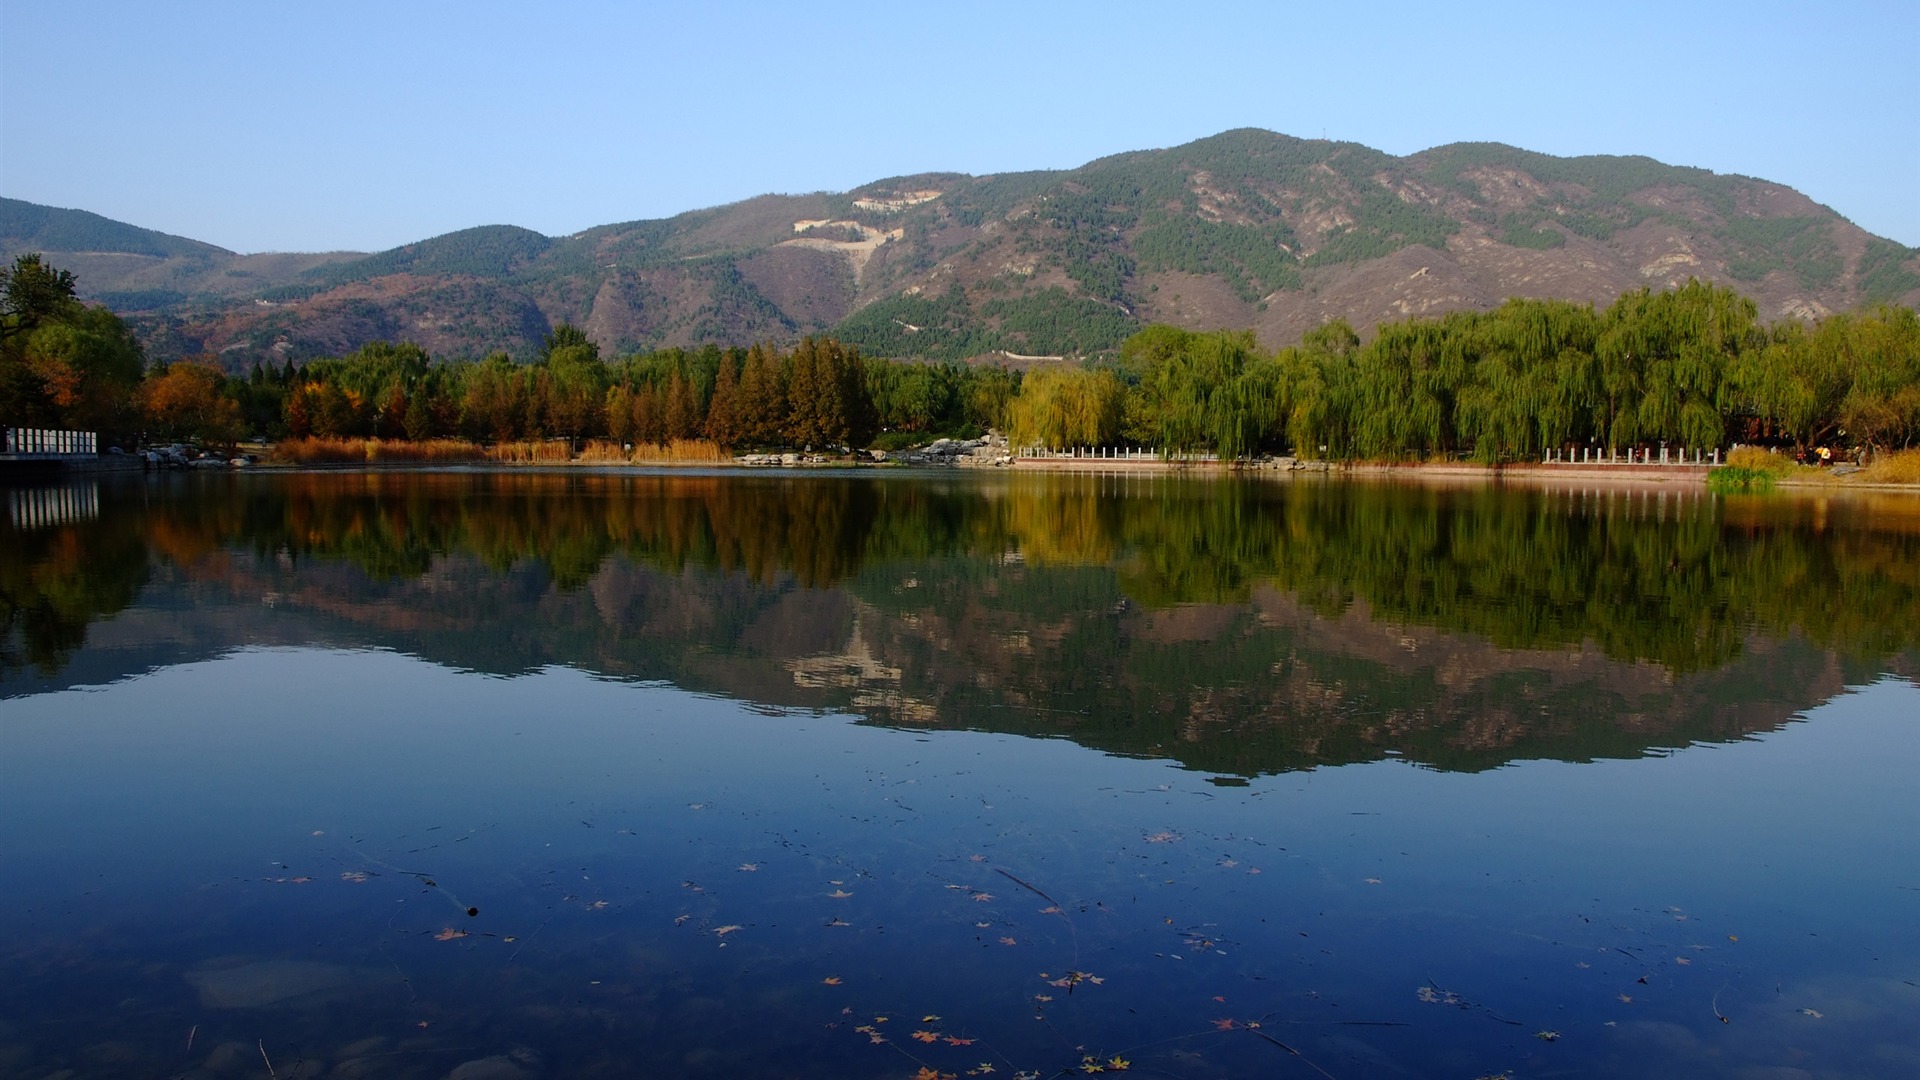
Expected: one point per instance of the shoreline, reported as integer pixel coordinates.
(1443, 473)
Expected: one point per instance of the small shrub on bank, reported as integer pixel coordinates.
(1740, 479)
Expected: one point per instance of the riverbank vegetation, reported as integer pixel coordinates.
(1693, 367)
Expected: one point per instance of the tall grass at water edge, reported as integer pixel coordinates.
(316, 450)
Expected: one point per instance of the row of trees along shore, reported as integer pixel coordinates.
(1694, 366)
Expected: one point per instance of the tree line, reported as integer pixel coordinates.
(1694, 366)
(1691, 367)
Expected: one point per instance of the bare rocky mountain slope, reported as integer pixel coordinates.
(1243, 229)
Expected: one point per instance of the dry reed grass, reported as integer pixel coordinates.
(1899, 467)
(542, 452)
(1759, 459)
(678, 452)
(329, 451)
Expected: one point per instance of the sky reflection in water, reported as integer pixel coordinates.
(278, 845)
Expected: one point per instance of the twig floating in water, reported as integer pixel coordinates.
(262, 1043)
(1309, 1063)
(1029, 887)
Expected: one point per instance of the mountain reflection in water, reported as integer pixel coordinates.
(1237, 627)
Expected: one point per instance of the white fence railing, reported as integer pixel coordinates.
(50, 442)
(1645, 455)
(1108, 453)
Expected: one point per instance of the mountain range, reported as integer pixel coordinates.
(1244, 229)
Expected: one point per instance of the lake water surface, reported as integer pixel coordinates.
(508, 775)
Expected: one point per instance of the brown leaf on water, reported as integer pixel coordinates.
(449, 934)
(839, 894)
(982, 897)
(831, 980)
(1226, 1023)
(723, 931)
(1164, 836)
(976, 858)
(355, 876)
(748, 867)
(927, 1036)
(1008, 941)
(951, 1041)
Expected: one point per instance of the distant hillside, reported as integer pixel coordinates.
(1243, 229)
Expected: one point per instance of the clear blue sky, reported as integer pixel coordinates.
(267, 126)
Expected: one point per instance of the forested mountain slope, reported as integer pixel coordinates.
(1243, 229)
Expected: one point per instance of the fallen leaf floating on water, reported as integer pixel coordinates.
(952, 1041)
(839, 894)
(928, 1074)
(1547, 1036)
(1165, 836)
(927, 1036)
(831, 980)
(749, 867)
(1626, 999)
(1373, 881)
(355, 876)
(1008, 941)
(1116, 1063)
(929, 1019)
(723, 931)
(449, 934)
(983, 897)
(1226, 1023)
(1815, 1013)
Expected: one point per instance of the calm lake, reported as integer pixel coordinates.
(513, 775)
